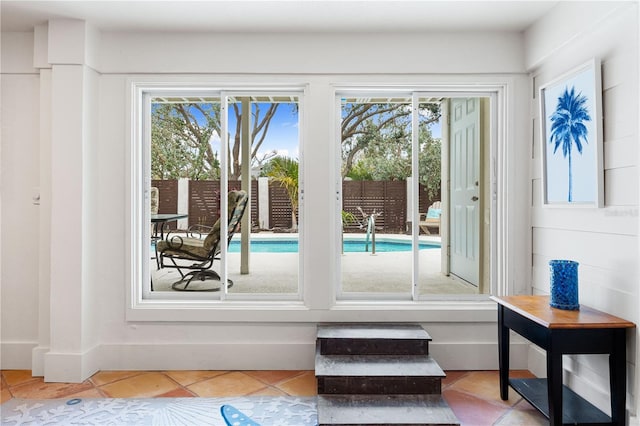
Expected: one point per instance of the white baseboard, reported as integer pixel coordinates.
(16, 355)
(477, 356)
(76, 367)
(537, 361)
(282, 356)
(71, 367)
(37, 360)
(209, 356)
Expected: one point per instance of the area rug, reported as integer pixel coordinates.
(266, 411)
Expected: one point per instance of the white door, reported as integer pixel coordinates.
(465, 189)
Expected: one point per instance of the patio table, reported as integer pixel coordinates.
(159, 220)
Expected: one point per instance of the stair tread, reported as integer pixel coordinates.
(384, 409)
(372, 331)
(377, 365)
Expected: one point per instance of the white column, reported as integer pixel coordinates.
(246, 184)
(183, 202)
(263, 202)
(409, 190)
(73, 328)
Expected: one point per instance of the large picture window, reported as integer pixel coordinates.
(404, 214)
(221, 174)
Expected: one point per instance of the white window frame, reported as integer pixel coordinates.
(497, 132)
(318, 304)
(140, 299)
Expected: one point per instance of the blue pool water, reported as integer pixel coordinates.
(357, 246)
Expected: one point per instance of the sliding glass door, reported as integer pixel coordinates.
(262, 158)
(376, 139)
(398, 154)
(203, 148)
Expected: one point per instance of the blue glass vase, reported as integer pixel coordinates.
(564, 284)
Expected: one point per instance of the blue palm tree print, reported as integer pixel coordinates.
(568, 127)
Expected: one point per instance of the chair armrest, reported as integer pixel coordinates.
(199, 231)
(174, 240)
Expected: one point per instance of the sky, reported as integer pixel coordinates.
(283, 134)
(283, 131)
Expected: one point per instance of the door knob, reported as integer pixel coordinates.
(474, 198)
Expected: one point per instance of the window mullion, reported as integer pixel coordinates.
(415, 151)
(224, 190)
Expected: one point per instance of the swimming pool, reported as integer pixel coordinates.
(350, 246)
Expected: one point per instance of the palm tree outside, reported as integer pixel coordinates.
(284, 170)
(568, 127)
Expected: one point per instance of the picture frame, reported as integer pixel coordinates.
(571, 138)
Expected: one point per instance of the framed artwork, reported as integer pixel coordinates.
(571, 136)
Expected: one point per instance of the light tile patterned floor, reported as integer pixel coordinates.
(473, 395)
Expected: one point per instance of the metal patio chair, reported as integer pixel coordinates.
(194, 253)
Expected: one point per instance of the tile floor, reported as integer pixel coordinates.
(473, 395)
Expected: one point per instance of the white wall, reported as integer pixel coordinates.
(425, 53)
(604, 241)
(20, 179)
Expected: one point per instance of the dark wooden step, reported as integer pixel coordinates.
(377, 374)
(384, 410)
(373, 339)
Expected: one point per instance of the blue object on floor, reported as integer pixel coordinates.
(233, 417)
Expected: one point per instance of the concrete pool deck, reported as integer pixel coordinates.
(384, 272)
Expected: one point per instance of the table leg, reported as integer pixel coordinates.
(503, 354)
(618, 377)
(554, 384)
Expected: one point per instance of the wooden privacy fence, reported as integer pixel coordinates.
(204, 201)
(168, 195)
(389, 198)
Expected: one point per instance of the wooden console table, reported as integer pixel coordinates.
(561, 332)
